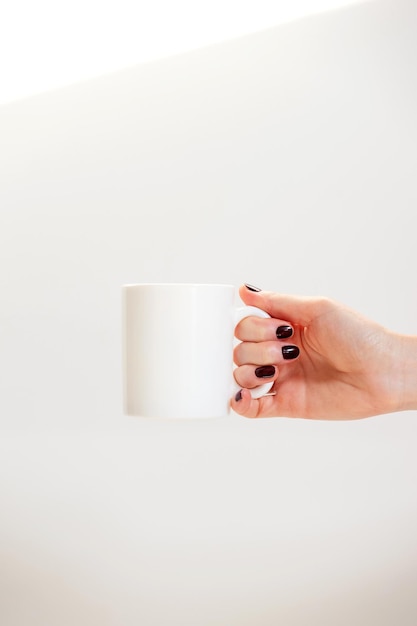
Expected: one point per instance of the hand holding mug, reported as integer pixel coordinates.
(348, 366)
(178, 349)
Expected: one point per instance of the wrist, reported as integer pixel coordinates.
(407, 373)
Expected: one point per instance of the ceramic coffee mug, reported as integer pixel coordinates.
(178, 344)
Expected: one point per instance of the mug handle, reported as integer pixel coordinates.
(240, 314)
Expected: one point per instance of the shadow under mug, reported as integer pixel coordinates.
(178, 344)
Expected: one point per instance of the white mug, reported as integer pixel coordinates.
(178, 349)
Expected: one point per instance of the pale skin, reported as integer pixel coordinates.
(340, 365)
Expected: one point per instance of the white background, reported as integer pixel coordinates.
(286, 159)
(46, 44)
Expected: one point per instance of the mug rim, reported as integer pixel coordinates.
(192, 285)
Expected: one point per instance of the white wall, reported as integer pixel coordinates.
(91, 38)
(286, 159)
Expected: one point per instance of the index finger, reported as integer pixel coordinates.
(257, 329)
(301, 310)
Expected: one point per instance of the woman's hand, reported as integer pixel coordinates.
(327, 361)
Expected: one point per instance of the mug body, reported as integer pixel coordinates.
(178, 349)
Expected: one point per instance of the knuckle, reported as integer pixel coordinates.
(243, 376)
(325, 304)
(240, 330)
(236, 354)
(270, 352)
(251, 328)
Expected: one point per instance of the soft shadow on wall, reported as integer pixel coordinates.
(285, 159)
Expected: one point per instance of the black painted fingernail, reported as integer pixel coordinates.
(283, 332)
(290, 352)
(266, 371)
(238, 396)
(252, 288)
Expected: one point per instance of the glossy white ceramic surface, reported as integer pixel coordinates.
(178, 349)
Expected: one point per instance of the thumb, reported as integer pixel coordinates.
(295, 309)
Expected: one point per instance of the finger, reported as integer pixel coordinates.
(250, 376)
(296, 309)
(265, 353)
(259, 329)
(243, 404)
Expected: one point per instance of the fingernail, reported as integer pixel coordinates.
(252, 288)
(266, 371)
(290, 352)
(238, 396)
(283, 332)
